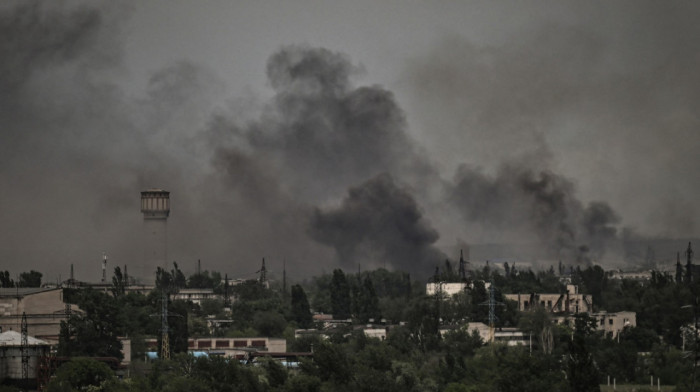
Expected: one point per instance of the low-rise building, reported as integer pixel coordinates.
(231, 347)
(508, 336)
(445, 289)
(570, 302)
(195, 295)
(641, 276)
(614, 323)
(609, 323)
(45, 309)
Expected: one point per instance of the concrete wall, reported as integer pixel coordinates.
(45, 310)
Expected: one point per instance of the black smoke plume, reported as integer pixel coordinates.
(323, 133)
(379, 223)
(539, 206)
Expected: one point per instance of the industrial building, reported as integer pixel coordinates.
(44, 307)
(12, 352)
(570, 302)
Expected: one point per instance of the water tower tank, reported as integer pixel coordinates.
(155, 204)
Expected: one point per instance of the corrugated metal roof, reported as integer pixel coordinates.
(23, 291)
(14, 338)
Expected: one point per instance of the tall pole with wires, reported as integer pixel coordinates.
(164, 329)
(492, 303)
(25, 349)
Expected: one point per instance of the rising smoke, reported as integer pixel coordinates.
(378, 222)
(325, 173)
(519, 200)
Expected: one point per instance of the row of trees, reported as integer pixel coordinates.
(415, 356)
(25, 279)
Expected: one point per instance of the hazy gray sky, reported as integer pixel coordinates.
(333, 133)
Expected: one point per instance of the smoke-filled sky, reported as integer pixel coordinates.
(338, 134)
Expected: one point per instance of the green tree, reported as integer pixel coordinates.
(368, 302)
(30, 279)
(79, 374)
(5, 280)
(118, 282)
(301, 312)
(538, 322)
(201, 281)
(95, 331)
(269, 323)
(340, 295)
(177, 322)
(580, 369)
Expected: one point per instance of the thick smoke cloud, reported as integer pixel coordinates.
(319, 135)
(379, 222)
(518, 201)
(326, 134)
(613, 99)
(326, 173)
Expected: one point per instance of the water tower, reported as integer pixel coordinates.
(155, 206)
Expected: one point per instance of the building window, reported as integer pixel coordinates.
(258, 343)
(610, 321)
(204, 344)
(222, 344)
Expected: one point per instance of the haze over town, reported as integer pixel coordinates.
(330, 135)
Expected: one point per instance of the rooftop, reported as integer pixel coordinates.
(14, 338)
(22, 291)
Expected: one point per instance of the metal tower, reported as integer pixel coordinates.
(492, 303)
(164, 330)
(25, 349)
(462, 266)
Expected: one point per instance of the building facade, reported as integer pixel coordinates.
(570, 302)
(44, 307)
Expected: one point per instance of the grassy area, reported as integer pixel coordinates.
(631, 388)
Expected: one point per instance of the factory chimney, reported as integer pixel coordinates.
(155, 206)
